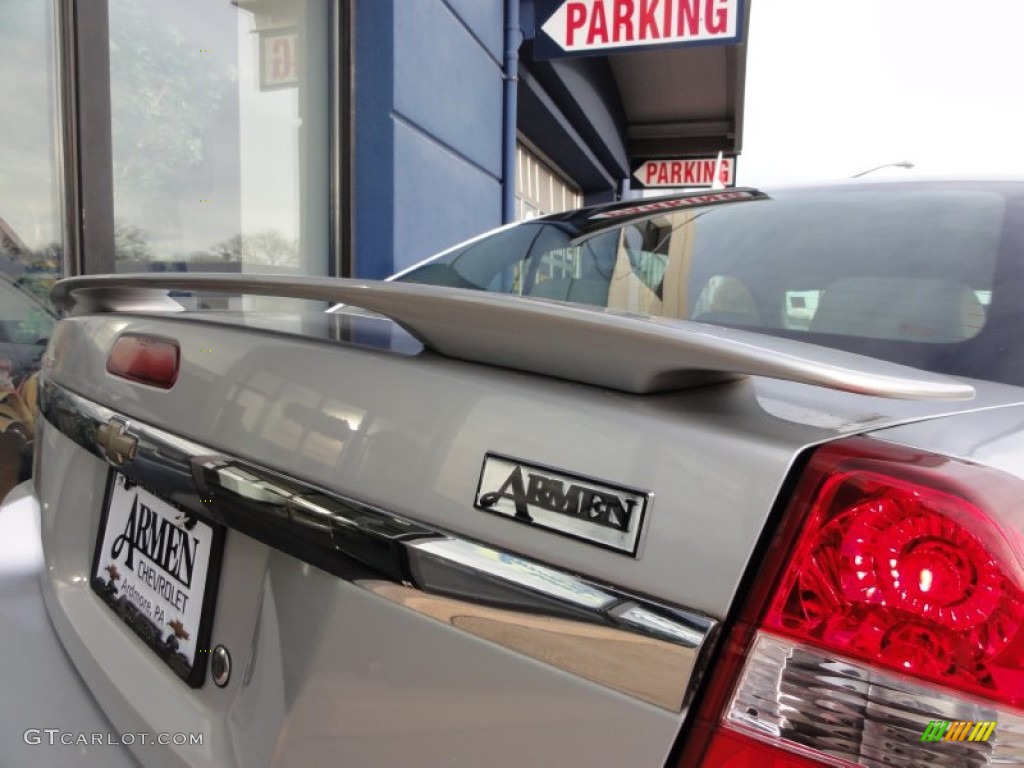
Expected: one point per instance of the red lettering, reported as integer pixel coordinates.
(598, 25)
(689, 17)
(623, 29)
(282, 61)
(720, 15)
(679, 203)
(688, 174)
(707, 172)
(663, 173)
(650, 169)
(724, 173)
(648, 27)
(677, 172)
(575, 15)
(595, 23)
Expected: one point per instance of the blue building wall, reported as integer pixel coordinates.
(373, 139)
(428, 116)
(427, 128)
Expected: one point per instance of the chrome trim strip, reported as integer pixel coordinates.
(645, 649)
(616, 350)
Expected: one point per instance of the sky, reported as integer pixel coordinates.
(835, 87)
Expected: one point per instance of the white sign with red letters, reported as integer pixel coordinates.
(279, 59)
(686, 172)
(595, 25)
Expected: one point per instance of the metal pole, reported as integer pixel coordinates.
(513, 39)
(899, 164)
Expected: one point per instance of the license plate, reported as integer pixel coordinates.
(156, 567)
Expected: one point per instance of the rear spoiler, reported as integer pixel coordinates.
(616, 350)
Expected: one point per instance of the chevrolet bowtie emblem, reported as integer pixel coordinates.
(117, 444)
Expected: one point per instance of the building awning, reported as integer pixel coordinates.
(682, 101)
(635, 105)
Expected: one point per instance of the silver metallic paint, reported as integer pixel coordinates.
(993, 437)
(42, 689)
(326, 670)
(550, 615)
(419, 427)
(617, 350)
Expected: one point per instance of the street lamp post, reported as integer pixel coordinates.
(899, 164)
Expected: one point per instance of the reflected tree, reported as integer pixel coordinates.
(164, 89)
(131, 243)
(267, 247)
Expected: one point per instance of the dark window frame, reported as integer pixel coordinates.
(85, 127)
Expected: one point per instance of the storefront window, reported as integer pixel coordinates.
(219, 123)
(31, 239)
(541, 190)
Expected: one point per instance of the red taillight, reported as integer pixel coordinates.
(905, 562)
(892, 566)
(146, 359)
(729, 749)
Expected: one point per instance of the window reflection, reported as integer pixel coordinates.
(31, 239)
(219, 115)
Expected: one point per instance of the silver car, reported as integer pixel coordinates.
(731, 478)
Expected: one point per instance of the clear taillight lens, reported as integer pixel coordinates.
(892, 597)
(836, 711)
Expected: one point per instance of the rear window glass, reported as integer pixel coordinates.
(874, 264)
(923, 274)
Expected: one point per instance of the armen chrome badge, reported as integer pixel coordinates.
(607, 515)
